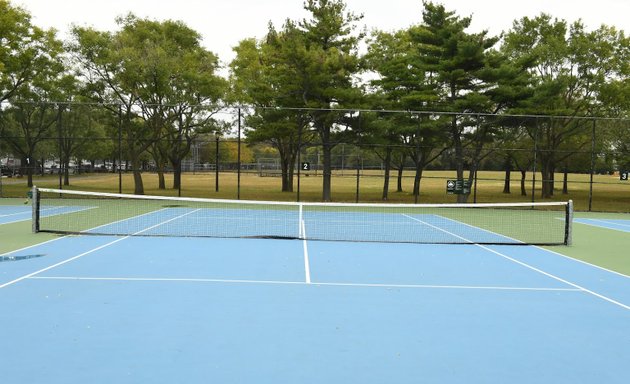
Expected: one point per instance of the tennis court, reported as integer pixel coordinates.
(165, 308)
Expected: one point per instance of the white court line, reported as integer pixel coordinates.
(29, 212)
(121, 220)
(90, 251)
(60, 263)
(31, 246)
(543, 249)
(42, 243)
(438, 228)
(279, 282)
(530, 267)
(582, 261)
(557, 278)
(307, 264)
(482, 229)
(578, 220)
(607, 222)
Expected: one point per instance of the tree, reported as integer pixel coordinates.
(614, 98)
(96, 135)
(572, 68)
(457, 64)
(331, 62)
(403, 84)
(30, 68)
(155, 71)
(174, 84)
(308, 66)
(24, 50)
(266, 75)
(25, 126)
(33, 78)
(101, 59)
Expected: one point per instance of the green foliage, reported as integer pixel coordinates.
(161, 76)
(573, 72)
(305, 66)
(32, 75)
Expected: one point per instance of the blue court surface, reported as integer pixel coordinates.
(15, 213)
(105, 309)
(248, 223)
(615, 224)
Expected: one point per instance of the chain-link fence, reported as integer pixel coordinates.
(240, 153)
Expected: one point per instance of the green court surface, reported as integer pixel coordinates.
(18, 234)
(600, 246)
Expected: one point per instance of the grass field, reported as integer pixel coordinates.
(608, 194)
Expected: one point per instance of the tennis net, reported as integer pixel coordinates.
(78, 212)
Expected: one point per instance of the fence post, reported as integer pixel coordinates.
(535, 159)
(119, 148)
(358, 177)
(590, 190)
(416, 184)
(179, 160)
(60, 144)
(359, 161)
(299, 162)
(238, 158)
(216, 163)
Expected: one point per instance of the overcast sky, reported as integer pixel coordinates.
(223, 23)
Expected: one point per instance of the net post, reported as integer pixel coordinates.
(568, 234)
(35, 206)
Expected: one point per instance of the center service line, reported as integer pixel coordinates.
(307, 266)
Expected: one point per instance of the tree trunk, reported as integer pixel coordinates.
(508, 171)
(29, 177)
(547, 179)
(290, 178)
(388, 162)
(327, 153)
(418, 174)
(177, 174)
(401, 170)
(506, 182)
(137, 176)
(459, 156)
(161, 180)
(523, 189)
(137, 181)
(287, 175)
(565, 181)
(416, 180)
(66, 174)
